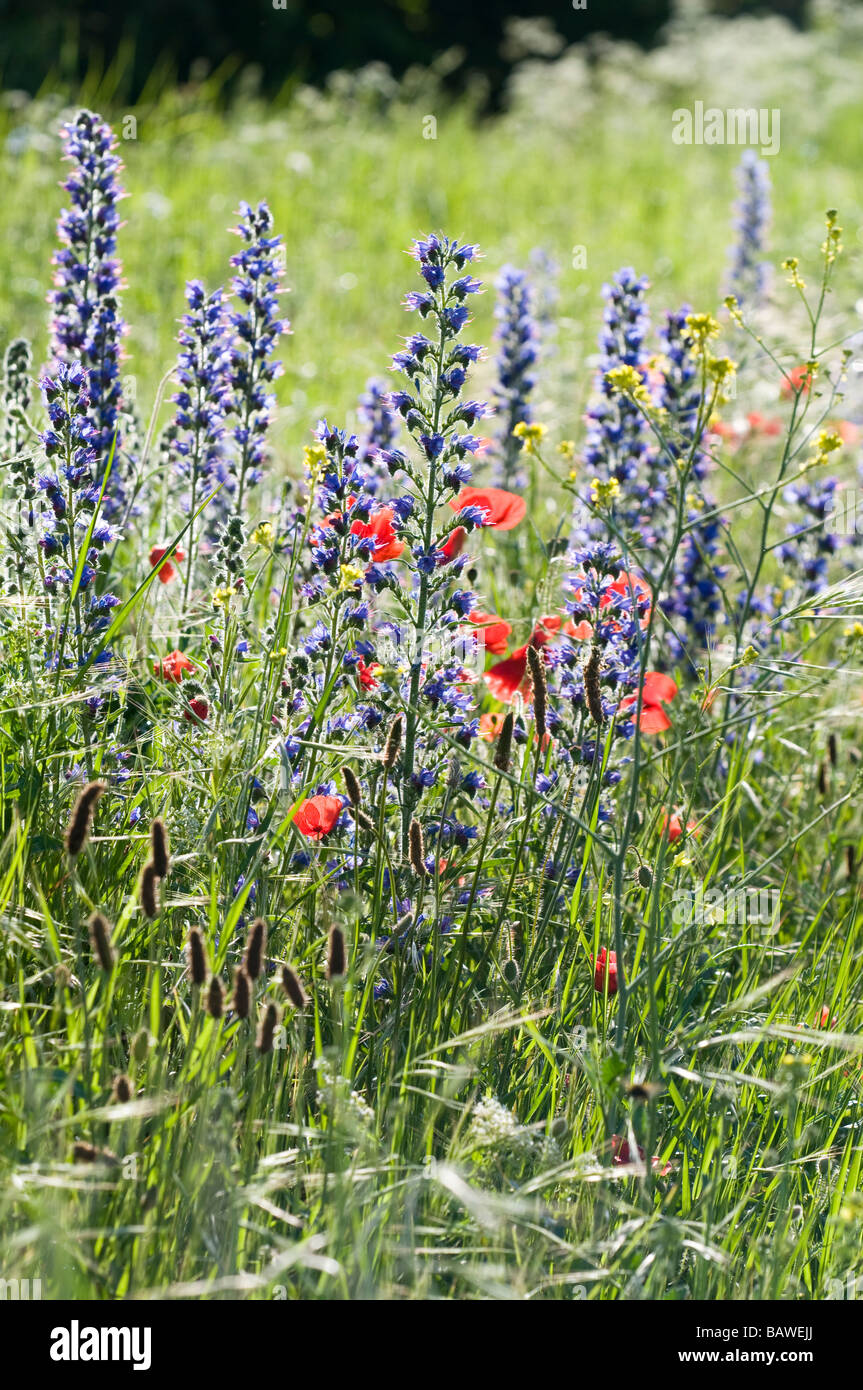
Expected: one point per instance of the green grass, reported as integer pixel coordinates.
(364, 1157)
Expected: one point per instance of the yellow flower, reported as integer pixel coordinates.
(350, 576)
(720, 368)
(314, 457)
(826, 444)
(530, 435)
(832, 245)
(700, 328)
(629, 382)
(602, 494)
(263, 534)
(222, 597)
(733, 308)
(794, 277)
(566, 448)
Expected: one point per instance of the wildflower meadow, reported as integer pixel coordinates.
(430, 851)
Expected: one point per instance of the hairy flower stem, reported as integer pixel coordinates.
(409, 792)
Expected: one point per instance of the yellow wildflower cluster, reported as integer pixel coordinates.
(700, 329)
(791, 264)
(831, 247)
(263, 534)
(826, 444)
(530, 435)
(602, 494)
(629, 382)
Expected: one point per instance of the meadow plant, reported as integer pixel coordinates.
(347, 803)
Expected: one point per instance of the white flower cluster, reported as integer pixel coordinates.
(493, 1127)
(335, 1093)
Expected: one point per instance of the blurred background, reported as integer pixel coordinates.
(293, 41)
(541, 131)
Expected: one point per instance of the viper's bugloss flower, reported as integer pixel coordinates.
(500, 509)
(516, 335)
(316, 816)
(749, 273)
(618, 440)
(606, 963)
(203, 399)
(257, 327)
(173, 666)
(86, 321)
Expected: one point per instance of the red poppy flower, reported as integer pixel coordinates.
(657, 688)
(316, 816)
(509, 675)
(453, 545)
(493, 629)
(490, 726)
(503, 509)
(759, 424)
(674, 827)
(379, 528)
(166, 572)
(798, 379)
(605, 960)
(171, 667)
(365, 675)
(197, 711)
(621, 1156)
(825, 1021)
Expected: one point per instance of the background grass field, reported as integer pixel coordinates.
(461, 1147)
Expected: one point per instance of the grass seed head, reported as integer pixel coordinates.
(80, 824)
(159, 848)
(242, 1000)
(196, 956)
(503, 752)
(100, 941)
(292, 985)
(336, 958)
(256, 948)
(393, 743)
(121, 1089)
(270, 1020)
(147, 887)
(592, 693)
(416, 848)
(540, 690)
(215, 998)
(352, 786)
